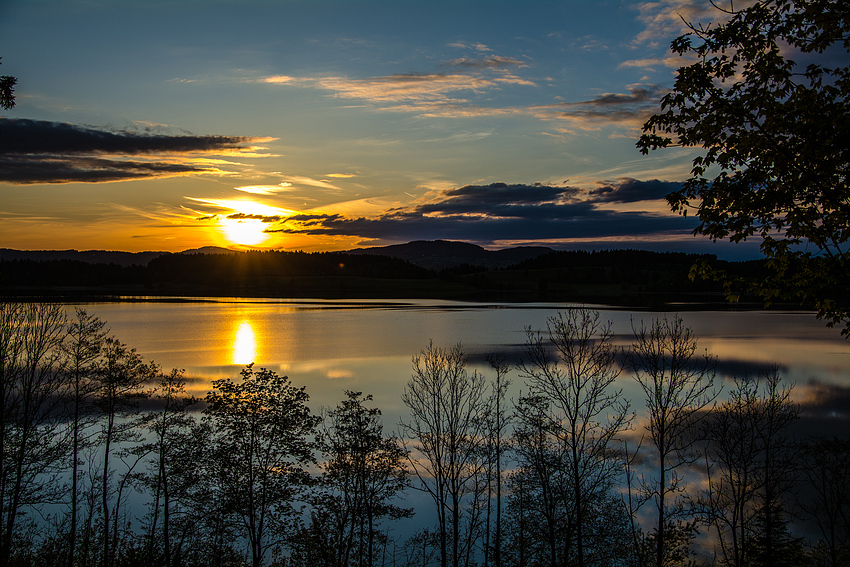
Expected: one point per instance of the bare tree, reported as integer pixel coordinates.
(827, 469)
(497, 422)
(573, 366)
(777, 474)
(82, 348)
(170, 469)
(121, 380)
(541, 512)
(748, 459)
(31, 378)
(447, 407)
(678, 387)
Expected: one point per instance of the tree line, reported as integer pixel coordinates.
(629, 277)
(107, 461)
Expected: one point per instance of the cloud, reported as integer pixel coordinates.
(447, 92)
(498, 212)
(671, 62)
(632, 108)
(489, 62)
(825, 408)
(629, 190)
(469, 87)
(36, 151)
(265, 189)
(404, 87)
(476, 46)
(261, 218)
(300, 180)
(669, 18)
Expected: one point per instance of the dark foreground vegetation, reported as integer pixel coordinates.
(107, 462)
(620, 277)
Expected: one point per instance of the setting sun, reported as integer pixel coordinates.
(244, 231)
(245, 222)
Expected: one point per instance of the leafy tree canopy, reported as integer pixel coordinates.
(767, 98)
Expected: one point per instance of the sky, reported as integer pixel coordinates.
(331, 125)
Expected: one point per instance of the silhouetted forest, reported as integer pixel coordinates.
(620, 277)
(107, 462)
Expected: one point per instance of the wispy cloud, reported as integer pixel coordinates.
(672, 62)
(301, 180)
(630, 109)
(669, 18)
(452, 88)
(405, 87)
(468, 93)
(265, 189)
(489, 62)
(36, 151)
(480, 47)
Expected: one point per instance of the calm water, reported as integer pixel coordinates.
(331, 346)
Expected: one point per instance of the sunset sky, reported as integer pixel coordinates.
(330, 125)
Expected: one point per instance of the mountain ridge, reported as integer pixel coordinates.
(444, 254)
(431, 254)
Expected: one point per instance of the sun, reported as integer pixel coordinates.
(248, 232)
(246, 222)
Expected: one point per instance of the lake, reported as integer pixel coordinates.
(332, 346)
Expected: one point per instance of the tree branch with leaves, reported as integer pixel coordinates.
(768, 100)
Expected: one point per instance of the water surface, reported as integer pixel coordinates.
(331, 346)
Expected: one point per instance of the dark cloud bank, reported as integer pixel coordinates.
(498, 212)
(37, 151)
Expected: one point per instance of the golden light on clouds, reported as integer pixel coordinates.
(243, 222)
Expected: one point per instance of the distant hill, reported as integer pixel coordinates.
(442, 254)
(88, 256)
(124, 259)
(422, 269)
(209, 250)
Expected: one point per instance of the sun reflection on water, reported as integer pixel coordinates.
(244, 344)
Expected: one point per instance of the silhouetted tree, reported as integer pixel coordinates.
(263, 430)
(82, 349)
(363, 473)
(447, 408)
(7, 91)
(573, 366)
(749, 460)
(121, 379)
(540, 514)
(826, 466)
(498, 420)
(768, 97)
(172, 469)
(777, 474)
(677, 388)
(31, 379)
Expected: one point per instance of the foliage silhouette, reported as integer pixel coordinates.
(574, 368)
(7, 91)
(775, 134)
(262, 444)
